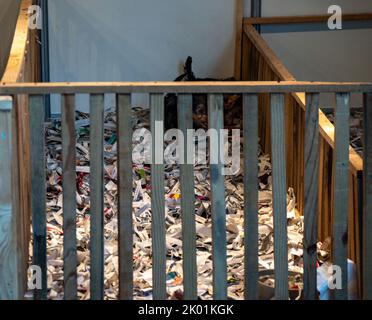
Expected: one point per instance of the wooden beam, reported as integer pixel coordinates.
(305, 19)
(218, 206)
(341, 194)
(185, 87)
(367, 219)
(311, 181)
(250, 126)
(125, 187)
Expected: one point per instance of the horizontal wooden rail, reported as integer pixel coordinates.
(183, 87)
(306, 19)
(217, 192)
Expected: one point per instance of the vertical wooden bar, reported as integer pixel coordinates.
(279, 196)
(250, 126)
(341, 194)
(367, 219)
(215, 107)
(8, 242)
(96, 197)
(185, 122)
(38, 194)
(311, 186)
(239, 38)
(158, 198)
(69, 196)
(125, 187)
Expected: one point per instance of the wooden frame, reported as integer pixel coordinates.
(185, 87)
(267, 66)
(305, 19)
(23, 64)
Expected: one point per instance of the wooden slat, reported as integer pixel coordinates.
(8, 243)
(125, 183)
(306, 19)
(185, 122)
(239, 37)
(367, 220)
(341, 195)
(279, 196)
(250, 115)
(38, 194)
(311, 185)
(69, 196)
(158, 199)
(186, 87)
(96, 197)
(218, 207)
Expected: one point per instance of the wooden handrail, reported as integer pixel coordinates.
(325, 126)
(185, 87)
(306, 19)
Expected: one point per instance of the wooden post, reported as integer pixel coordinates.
(38, 192)
(97, 197)
(9, 286)
(125, 185)
(311, 194)
(341, 193)
(250, 116)
(218, 206)
(279, 196)
(367, 219)
(187, 202)
(157, 199)
(69, 196)
(239, 38)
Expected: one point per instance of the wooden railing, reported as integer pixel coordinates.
(260, 63)
(250, 91)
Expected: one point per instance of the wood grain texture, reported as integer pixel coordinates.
(218, 207)
(96, 197)
(38, 193)
(341, 193)
(238, 38)
(8, 259)
(311, 182)
(69, 196)
(279, 196)
(306, 19)
(158, 199)
(185, 87)
(125, 183)
(185, 122)
(250, 125)
(367, 219)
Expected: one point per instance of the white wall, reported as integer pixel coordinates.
(139, 40)
(133, 40)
